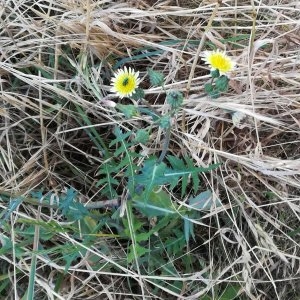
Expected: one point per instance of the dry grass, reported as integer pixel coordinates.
(46, 49)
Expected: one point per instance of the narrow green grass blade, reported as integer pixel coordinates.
(92, 132)
(14, 203)
(30, 290)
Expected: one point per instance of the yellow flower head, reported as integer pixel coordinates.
(219, 60)
(125, 82)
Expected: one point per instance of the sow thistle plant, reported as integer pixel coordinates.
(125, 84)
(144, 181)
(221, 65)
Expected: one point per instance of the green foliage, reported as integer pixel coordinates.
(71, 208)
(142, 136)
(127, 156)
(230, 292)
(132, 222)
(188, 229)
(136, 251)
(222, 83)
(185, 169)
(91, 132)
(6, 244)
(108, 182)
(151, 175)
(154, 174)
(145, 182)
(203, 201)
(144, 241)
(138, 94)
(157, 204)
(214, 94)
(128, 110)
(215, 73)
(175, 243)
(13, 204)
(164, 122)
(165, 224)
(153, 114)
(47, 229)
(208, 88)
(123, 161)
(65, 203)
(175, 99)
(154, 226)
(156, 78)
(218, 84)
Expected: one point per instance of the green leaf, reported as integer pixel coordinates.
(164, 122)
(204, 201)
(138, 94)
(157, 204)
(292, 233)
(214, 94)
(110, 180)
(83, 119)
(31, 286)
(135, 223)
(175, 245)
(120, 136)
(70, 253)
(145, 236)
(152, 175)
(194, 175)
(178, 164)
(123, 149)
(215, 73)
(67, 201)
(206, 297)
(7, 247)
(185, 170)
(47, 229)
(136, 250)
(208, 88)
(156, 78)
(230, 293)
(155, 117)
(175, 99)
(6, 244)
(70, 208)
(13, 204)
(142, 136)
(222, 83)
(128, 110)
(188, 229)
(77, 211)
(5, 282)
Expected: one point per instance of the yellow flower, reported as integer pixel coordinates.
(125, 82)
(219, 60)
